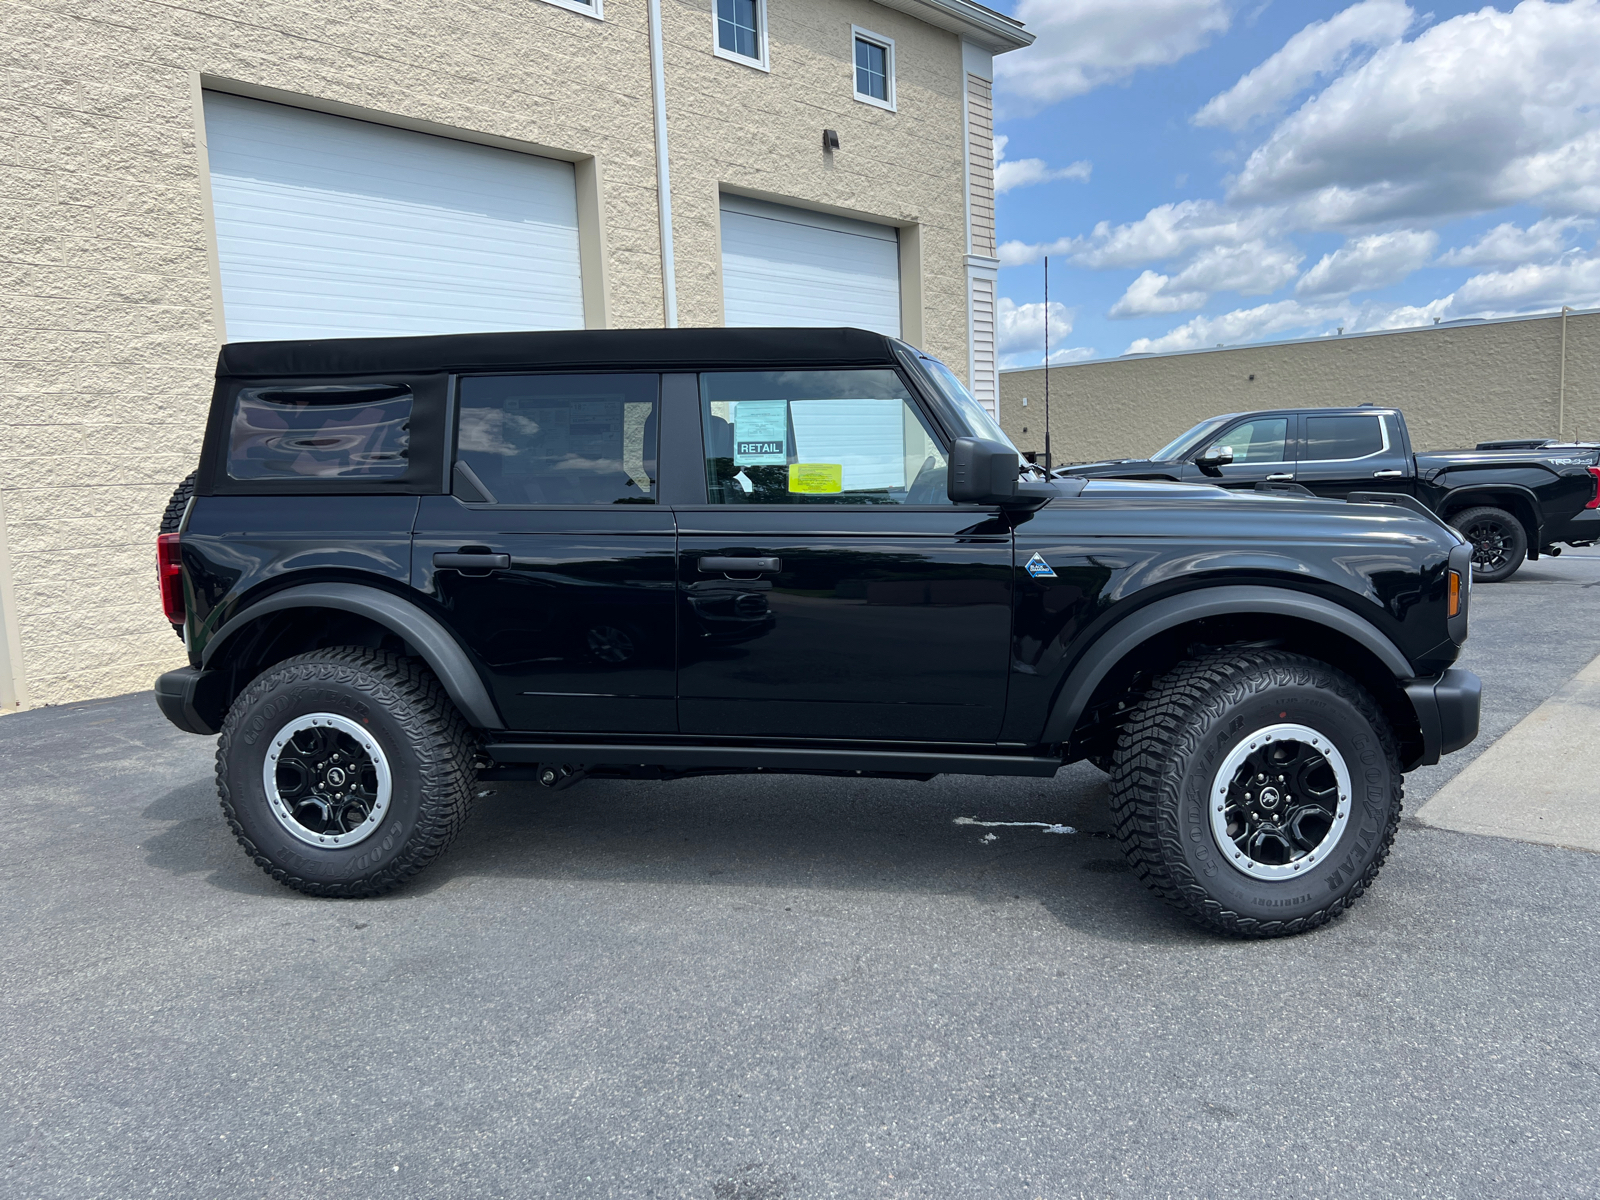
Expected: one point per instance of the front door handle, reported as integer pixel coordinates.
(1281, 477)
(1391, 474)
(759, 566)
(473, 562)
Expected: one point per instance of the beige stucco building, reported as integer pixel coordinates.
(1457, 384)
(176, 176)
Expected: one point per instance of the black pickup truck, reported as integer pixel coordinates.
(1512, 500)
(404, 565)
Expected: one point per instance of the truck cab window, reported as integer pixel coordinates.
(1334, 439)
(817, 437)
(560, 439)
(1259, 441)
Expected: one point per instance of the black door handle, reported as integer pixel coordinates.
(759, 566)
(473, 562)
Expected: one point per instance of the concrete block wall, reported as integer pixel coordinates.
(1457, 386)
(109, 317)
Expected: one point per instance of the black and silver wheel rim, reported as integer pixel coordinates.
(1280, 802)
(1491, 544)
(327, 780)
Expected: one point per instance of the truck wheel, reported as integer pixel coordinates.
(1499, 542)
(344, 772)
(1257, 791)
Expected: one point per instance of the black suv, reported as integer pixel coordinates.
(410, 563)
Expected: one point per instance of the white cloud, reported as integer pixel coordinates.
(1082, 44)
(1365, 263)
(1483, 110)
(1321, 48)
(1020, 333)
(1153, 294)
(1253, 269)
(1533, 287)
(1027, 171)
(1241, 325)
(1167, 232)
(1511, 244)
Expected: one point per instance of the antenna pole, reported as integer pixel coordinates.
(1048, 463)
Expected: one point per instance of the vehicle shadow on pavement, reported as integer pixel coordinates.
(780, 834)
(806, 833)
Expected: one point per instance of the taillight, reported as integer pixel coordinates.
(169, 569)
(1453, 606)
(1595, 473)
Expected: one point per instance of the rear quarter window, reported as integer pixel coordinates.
(329, 432)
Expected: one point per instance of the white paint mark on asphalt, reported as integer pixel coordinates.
(989, 837)
(1043, 826)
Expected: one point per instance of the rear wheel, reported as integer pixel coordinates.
(344, 772)
(1256, 791)
(1499, 542)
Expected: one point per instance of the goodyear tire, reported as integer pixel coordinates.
(344, 772)
(1257, 791)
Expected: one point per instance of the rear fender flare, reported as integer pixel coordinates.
(431, 640)
(1489, 495)
(1121, 639)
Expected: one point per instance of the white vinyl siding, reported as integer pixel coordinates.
(786, 266)
(985, 387)
(332, 227)
(980, 163)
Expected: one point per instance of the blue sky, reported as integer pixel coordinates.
(1207, 172)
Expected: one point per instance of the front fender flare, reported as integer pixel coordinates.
(1137, 627)
(431, 640)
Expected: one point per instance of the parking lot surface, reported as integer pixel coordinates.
(780, 988)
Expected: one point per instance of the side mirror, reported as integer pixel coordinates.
(1217, 456)
(982, 472)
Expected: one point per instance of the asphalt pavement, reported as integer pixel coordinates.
(781, 988)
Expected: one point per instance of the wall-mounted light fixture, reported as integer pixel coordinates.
(830, 139)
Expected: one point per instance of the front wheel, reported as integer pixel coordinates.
(344, 772)
(1256, 791)
(1499, 542)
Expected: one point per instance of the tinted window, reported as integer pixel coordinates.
(1333, 438)
(333, 432)
(817, 437)
(560, 439)
(1258, 441)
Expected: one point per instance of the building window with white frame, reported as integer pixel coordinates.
(589, 8)
(874, 68)
(741, 31)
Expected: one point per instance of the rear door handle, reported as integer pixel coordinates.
(1281, 477)
(1393, 474)
(760, 566)
(473, 562)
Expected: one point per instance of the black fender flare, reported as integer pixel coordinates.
(431, 640)
(1460, 498)
(1116, 642)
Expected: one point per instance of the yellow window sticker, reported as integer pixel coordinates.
(816, 477)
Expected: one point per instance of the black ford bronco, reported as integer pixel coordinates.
(407, 564)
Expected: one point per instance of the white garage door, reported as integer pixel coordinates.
(786, 266)
(329, 227)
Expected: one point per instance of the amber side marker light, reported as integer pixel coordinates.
(1454, 607)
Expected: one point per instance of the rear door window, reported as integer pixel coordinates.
(817, 437)
(348, 432)
(559, 439)
(1335, 439)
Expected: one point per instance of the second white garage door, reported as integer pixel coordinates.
(331, 227)
(787, 266)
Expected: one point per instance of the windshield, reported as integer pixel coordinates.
(954, 391)
(1188, 441)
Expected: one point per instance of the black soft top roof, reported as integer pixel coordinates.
(587, 349)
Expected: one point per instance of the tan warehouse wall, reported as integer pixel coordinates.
(108, 281)
(1457, 387)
